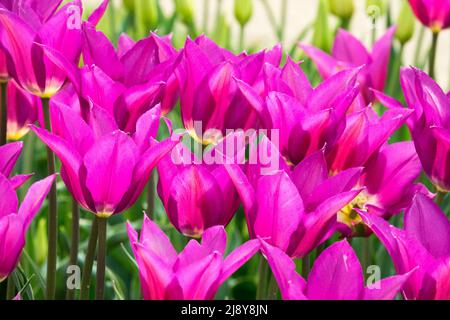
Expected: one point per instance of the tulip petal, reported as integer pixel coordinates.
(9, 154)
(426, 222)
(386, 289)
(336, 275)
(34, 199)
(292, 285)
(8, 198)
(109, 176)
(280, 209)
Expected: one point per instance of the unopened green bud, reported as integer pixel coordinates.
(243, 11)
(375, 8)
(343, 9)
(322, 34)
(185, 10)
(406, 23)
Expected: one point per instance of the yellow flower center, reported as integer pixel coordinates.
(349, 216)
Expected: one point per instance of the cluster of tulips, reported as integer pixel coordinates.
(307, 162)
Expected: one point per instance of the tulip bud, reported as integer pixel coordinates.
(185, 10)
(322, 34)
(375, 8)
(342, 8)
(243, 11)
(406, 23)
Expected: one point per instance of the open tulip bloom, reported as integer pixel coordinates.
(196, 273)
(9, 154)
(15, 220)
(434, 14)
(424, 245)
(429, 124)
(336, 275)
(103, 167)
(349, 52)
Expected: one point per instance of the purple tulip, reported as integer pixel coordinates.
(103, 167)
(92, 85)
(146, 62)
(429, 125)
(9, 154)
(14, 221)
(296, 210)
(208, 77)
(197, 195)
(32, 24)
(194, 274)
(390, 171)
(23, 109)
(434, 14)
(424, 245)
(349, 52)
(307, 119)
(336, 275)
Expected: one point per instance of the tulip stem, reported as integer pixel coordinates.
(52, 213)
(306, 263)
(205, 15)
(74, 242)
(283, 21)
(89, 261)
(241, 38)
(263, 271)
(366, 253)
(440, 198)
(272, 19)
(4, 113)
(419, 46)
(433, 54)
(151, 196)
(101, 259)
(11, 288)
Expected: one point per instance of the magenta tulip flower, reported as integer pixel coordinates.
(23, 109)
(429, 125)
(423, 245)
(32, 24)
(336, 275)
(103, 167)
(435, 14)
(146, 62)
(4, 75)
(196, 195)
(208, 77)
(349, 52)
(194, 274)
(9, 154)
(296, 211)
(14, 221)
(307, 119)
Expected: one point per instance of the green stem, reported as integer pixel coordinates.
(52, 213)
(27, 165)
(397, 65)
(366, 253)
(440, 198)
(241, 38)
(4, 113)
(263, 270)
(374, 30)
(205, 15)
(151, 196)
(74, 242)
(89, 261)
(272, 19)
(433, 54)
(11, 288)
(306, 265)
(419, 46)
(101, 259)
(283, 21)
